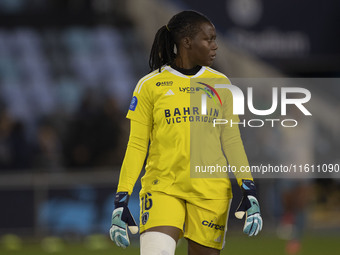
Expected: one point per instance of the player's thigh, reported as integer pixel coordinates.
(198, 249)
(206, 222)
(159, 210)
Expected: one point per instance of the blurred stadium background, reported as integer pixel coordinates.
(67, 71)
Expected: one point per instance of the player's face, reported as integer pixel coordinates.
(204, 46)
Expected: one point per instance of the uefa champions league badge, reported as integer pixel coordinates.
(133, 103)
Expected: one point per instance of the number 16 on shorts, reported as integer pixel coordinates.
(146, 204)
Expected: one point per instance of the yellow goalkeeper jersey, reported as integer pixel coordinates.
(188, 154)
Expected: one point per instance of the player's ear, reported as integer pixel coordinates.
(186, 42)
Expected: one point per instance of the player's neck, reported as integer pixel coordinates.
(186, 70)
(183, 61)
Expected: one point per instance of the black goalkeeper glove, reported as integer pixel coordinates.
(121, 220)
(250, 207)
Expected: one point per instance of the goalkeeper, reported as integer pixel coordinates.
(164, 113)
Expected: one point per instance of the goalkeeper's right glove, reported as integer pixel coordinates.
(121, 220)
(250, 207)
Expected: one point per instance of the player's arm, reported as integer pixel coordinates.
(249, 205)
(134, 156)
(131, 168)
(234, 150)
(232, 143)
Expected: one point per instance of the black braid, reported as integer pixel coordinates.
(162, 51)
(183, 24)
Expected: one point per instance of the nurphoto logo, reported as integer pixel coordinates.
(295, 96)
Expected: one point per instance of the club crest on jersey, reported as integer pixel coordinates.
(133, 104)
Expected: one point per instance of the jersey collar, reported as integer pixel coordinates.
(175, 72)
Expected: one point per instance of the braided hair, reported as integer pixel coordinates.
(183, 24)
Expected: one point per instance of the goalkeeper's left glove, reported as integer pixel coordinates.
(250, 207)
(121, 220)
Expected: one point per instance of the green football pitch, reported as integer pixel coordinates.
(262, 245)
